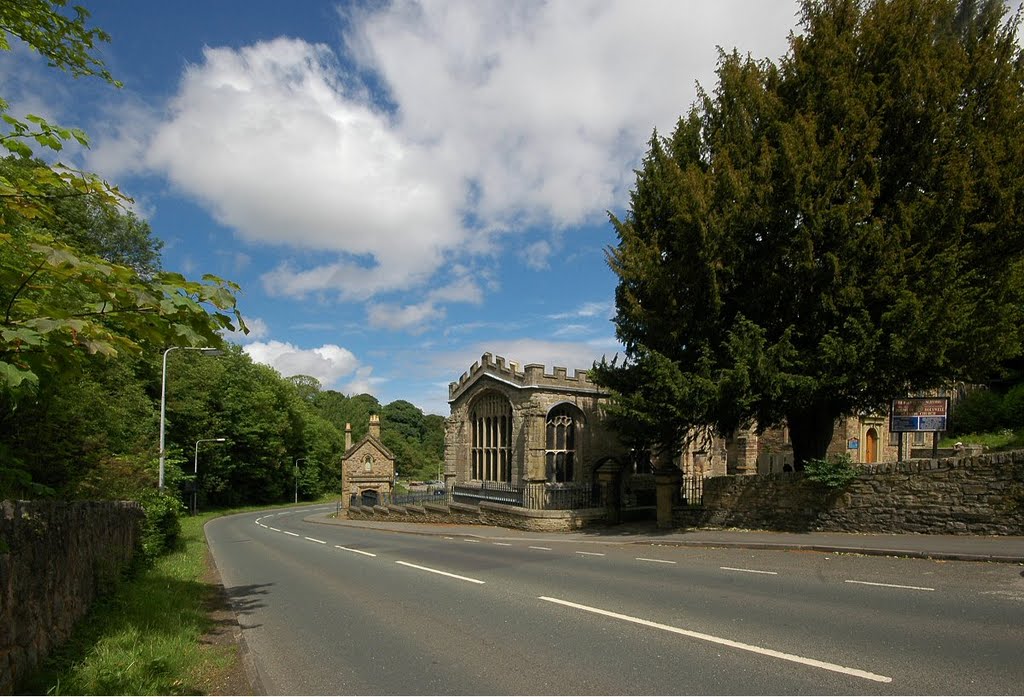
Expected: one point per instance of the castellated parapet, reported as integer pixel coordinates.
(532, 375)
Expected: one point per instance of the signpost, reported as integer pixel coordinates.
(919, 414)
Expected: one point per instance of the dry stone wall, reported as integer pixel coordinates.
(55, 558)
(978, 495)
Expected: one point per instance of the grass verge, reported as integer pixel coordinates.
(147, 636)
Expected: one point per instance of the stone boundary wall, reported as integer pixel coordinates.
(484, 514)
(55, 558)
(975, 495)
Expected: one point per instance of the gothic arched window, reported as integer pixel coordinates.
(492, 439)
(560, 444)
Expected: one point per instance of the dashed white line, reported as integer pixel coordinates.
(357, 551)
(656, 561)
(293, 534)
(592, 554)
(546, 549)
(466, 539)
(855, 672)
(276, 529)
(891, 585)
(449, 538)
(313, 539)
(442, 573)
(503, 544)
(749, 571)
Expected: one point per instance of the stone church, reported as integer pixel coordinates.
(526, 425)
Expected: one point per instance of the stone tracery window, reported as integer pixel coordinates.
(492, 439)
(560, 444)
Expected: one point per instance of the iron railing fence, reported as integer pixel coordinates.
(565, 496)
(691, 491)
(495, 492)
(416, 498)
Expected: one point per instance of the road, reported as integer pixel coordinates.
(329, 609)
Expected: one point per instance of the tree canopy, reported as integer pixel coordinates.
(824, 234)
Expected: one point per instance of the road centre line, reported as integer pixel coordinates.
(449, 538)
(293, 534)
(891, 585)
(276, 529)
(466, 539)
(442, 573)
(503, 544)
(592, 554)
(357, 551)
(656, 561)
(313, 539)
(546, 549)
(749, 571)
(824, 665)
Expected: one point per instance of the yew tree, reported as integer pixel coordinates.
(821, 234)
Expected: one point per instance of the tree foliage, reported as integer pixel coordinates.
(821, 235)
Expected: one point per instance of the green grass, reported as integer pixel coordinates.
(1000, 440)
(144, 638)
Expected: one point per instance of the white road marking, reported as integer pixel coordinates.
(449, 538)
(503, 544)
(275, 529)
(656, 561)
(891, 585)
(293, 534)
(469, 540)
(442, 573)
(357, 551)
(313, 539)
(855, 672)
(546, 549)
(592, 554)
(749, 571)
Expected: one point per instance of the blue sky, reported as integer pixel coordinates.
(398, 187)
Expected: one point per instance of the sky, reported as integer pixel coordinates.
(398, 187)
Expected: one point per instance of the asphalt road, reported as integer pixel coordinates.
(330, 609)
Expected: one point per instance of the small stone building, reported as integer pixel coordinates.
(368, 467)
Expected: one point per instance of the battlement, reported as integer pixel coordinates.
(532, 375)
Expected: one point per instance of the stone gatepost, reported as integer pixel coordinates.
(667, 483)
(609, 476)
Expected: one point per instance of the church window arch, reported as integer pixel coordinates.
(491, 417)
(561, 441)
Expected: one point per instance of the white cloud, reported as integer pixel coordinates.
(328, 363)
(412, 318)
(505, 115)
(258, 329)
(536, 255)
(604, 309)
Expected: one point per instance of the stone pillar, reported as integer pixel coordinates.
(610, 479)
(375, 426)
(348, 437)
(667, 483)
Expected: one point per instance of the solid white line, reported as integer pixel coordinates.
(892, 585)
(357, 551)
(313, 539)
(546, 549)
(293, 534)
(503, 544)
(749, 571)
(856, 672)
(275, 529)
(592, 554)
(442, 573)
(656, 561)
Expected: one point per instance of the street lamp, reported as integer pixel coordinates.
(296, 473)
(195, 470)
(207, 351)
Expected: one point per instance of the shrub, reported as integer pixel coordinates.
(834, 473)
(1013, 407)
(162, 527)
(980, 411)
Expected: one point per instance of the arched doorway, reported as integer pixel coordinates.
(871, 446)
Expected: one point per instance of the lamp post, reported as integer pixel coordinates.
(296, 473)
(195, 470)
(207, 351)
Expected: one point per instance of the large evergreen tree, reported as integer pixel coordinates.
(821, 235)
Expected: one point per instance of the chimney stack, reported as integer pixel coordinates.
(375, 426)
(348, 436)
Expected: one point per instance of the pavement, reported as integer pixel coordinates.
(1008, 549)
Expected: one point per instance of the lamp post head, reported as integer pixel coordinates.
(208, 351)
